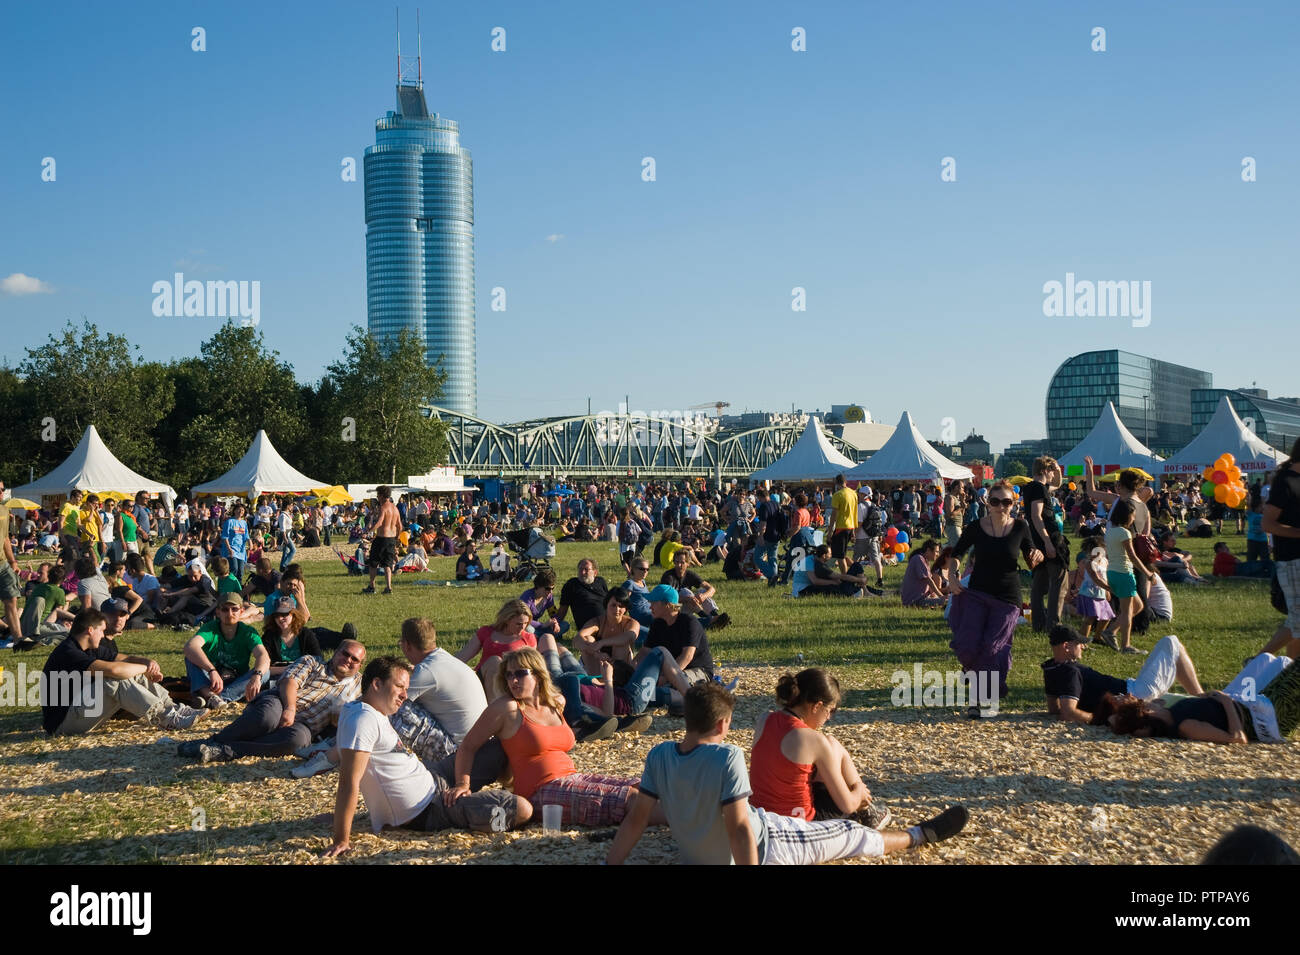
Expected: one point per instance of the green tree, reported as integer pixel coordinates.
(376, 390)
(223, 398)
(84, 378)
(1015, 468)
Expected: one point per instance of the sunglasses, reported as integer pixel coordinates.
(518, 674)
(231, 608)
(999, 502)
(350, 656)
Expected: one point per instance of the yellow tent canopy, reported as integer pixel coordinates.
(1020, 480)
(331, 495)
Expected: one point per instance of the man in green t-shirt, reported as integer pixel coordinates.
(45, 614)
(217, 658)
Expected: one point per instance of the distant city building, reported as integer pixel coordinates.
(1275, 420)
(973, 448)
(1153, 398)
(419, 197)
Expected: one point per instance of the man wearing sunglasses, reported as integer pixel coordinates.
(307, 698)
(217, 658)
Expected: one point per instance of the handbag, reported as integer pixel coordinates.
(1145, 546)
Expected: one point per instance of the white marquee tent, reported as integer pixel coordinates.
(813, 458)
(92, 467)
(1225, 432)
(260, 471)
(1112, 447)
(907, 456)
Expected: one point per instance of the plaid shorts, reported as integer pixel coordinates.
(422, 734)
(587, 799)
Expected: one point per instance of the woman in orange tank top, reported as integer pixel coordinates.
(796, 770)
(527, 717)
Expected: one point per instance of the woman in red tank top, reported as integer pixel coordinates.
(796, 770)
(508, 632)
(527, 717)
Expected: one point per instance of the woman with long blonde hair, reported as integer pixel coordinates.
(528, 718)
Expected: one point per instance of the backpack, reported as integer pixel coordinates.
(874, 525)
(778, 522)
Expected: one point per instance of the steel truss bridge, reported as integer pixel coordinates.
(613, 446)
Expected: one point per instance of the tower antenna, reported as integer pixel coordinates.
(419, 62)
(398, 12)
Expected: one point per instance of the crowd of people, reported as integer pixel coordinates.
(427, 739)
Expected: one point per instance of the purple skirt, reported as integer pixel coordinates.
(1094, 608)
(982, 628)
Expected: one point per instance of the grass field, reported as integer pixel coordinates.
(1038, 791)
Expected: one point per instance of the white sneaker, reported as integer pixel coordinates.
(317, 764)
(317, 747)
(180, 717)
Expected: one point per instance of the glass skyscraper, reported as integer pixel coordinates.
(419, 184)
(1153, 398)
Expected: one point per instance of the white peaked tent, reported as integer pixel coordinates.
(92, 467)
(260, 471)
(1225, 432)
(813, 458)
(907, 456)
(1111, 446)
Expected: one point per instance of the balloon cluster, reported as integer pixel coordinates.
(1223, 482)
(896, 541)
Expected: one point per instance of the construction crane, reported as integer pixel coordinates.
(716, 405)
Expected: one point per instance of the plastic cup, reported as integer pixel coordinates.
(552, 817)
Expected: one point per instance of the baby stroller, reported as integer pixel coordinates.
(533, 551)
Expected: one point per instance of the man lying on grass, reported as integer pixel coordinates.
(704, 788)
(304, 702)
(400, 792)
(1074, 692)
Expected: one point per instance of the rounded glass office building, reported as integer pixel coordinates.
(419, 188)
(1153, 398)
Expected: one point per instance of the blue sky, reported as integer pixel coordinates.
(774, 169)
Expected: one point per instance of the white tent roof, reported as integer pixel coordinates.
(1111, 446)
(92, 467)
(907, 456)
(260, 471)
(813, 458)
(1224, 432)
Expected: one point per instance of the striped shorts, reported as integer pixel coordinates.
(587, 799)
(794, 841)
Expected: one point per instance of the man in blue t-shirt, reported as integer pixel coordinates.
(702, 787)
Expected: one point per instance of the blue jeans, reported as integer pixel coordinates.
(234, 690)
(287, 555)
(765, 558)
(639, 691)
(237, 567)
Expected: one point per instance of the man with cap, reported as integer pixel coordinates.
(193, 594)
(1074, 691)
(87, 680)
(217, 657)
(871, 525)
(116, 616)
(306, 700)
(681, 634)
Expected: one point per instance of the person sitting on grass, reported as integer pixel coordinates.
(263, 581)
(610, 636)
(305, 701)
(695, 592)
(527, 716)
(74, 704)
(1240, 713)
(400, 791)
(189, 598)
(1074, 692)
(46, 617)
(824, 577)
(468, 565)
(799, 770)
(682, 635)
(508, 632)
(540, 599)
(620, 692)
(922, 586)
(701, 786)
(286, 637)
(217, 658)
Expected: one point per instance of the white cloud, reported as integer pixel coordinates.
(555, 237)
(19, 284)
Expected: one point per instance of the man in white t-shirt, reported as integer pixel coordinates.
(399, 791)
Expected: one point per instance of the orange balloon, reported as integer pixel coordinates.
(1221, 493)
(1207, 473)
(1227, 459)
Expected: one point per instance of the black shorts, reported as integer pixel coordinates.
(383, 552)
(840, 541)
